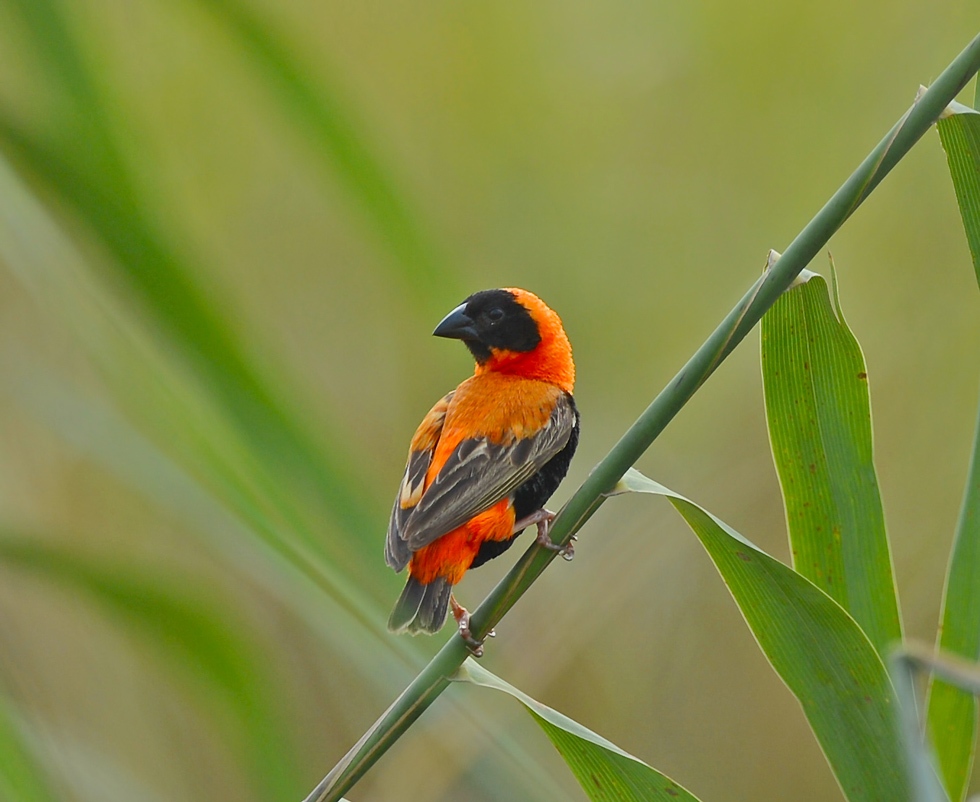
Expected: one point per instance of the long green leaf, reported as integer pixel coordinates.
(819, 415)
(905, 664)
(816, 648)
(952, 712)
(959, 131)
(606, 772)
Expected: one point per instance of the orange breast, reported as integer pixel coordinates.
(452, 554)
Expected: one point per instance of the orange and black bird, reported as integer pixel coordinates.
(487, 456)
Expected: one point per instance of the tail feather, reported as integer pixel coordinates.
(421, 608)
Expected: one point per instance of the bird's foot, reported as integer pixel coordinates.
(543, 519)
(462, 616)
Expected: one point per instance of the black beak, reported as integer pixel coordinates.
(457, 325)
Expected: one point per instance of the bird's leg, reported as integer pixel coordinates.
(462, 616)
(543, 519)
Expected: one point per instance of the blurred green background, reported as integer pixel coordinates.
(226, 232)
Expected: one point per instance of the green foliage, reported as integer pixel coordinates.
(952, 712)
(959, 131)
(819, 415)
(818, 650)
(209, 457)
(606, 772)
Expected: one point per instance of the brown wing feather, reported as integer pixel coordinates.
(397, 551)
(479, 473)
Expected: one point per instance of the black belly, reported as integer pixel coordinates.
(532, 495)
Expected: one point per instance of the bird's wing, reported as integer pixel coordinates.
(397, 551)
(479, 473)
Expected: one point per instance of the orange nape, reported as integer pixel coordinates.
(452, 554)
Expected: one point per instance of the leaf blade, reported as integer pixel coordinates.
(818, 411)
(951, 714)
(959, 133)
(817, 649)
(605, 772)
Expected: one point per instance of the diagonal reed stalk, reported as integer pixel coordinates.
(414, 700)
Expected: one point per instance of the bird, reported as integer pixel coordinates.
(486, 457)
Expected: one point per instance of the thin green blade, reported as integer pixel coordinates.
(606, 772)
(816, 648)
(959, 131)
(951, 716)
(819, 415)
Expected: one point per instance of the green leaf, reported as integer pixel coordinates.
(819, 414)
(606, 772)
(906, 664)
(959, 131)
(951, 715)
(817, 649)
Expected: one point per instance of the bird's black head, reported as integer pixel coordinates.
(492, 319)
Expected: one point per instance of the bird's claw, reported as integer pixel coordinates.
(543, 519)
(462, 616)
(566, 551)
(474, 646)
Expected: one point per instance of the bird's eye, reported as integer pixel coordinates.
(495, 314)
